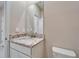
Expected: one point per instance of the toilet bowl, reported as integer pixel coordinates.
(62, 53)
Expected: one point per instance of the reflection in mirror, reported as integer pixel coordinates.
(34, 20)
(26, 18)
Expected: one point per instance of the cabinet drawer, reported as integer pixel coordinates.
(25, 50)
(16, 54)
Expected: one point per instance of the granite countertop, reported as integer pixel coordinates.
(26, 41)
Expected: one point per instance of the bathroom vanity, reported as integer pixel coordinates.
(26, 30)
(27, 47)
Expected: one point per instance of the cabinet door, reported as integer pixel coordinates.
(21, 48)
(16, 54)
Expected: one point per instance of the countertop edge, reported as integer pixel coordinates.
(30, 46)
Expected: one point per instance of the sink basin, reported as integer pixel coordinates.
(23, 40)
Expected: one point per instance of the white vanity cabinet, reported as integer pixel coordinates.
(16, 50)
(20, 51)
(16, 54)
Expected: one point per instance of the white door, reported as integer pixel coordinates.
(2, 44)
(2, 32)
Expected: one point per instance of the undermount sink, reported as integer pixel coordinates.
(23, 40)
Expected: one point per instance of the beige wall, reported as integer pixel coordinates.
(61, 25)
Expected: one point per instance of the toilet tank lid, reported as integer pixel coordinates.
(64, 51)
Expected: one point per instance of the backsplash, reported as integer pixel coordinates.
(17, 35)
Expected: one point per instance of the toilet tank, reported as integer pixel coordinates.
(62, 53)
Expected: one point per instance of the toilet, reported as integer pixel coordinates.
(62, 53)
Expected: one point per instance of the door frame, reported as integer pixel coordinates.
(7, 27)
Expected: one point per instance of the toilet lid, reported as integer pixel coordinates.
(64, 51)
